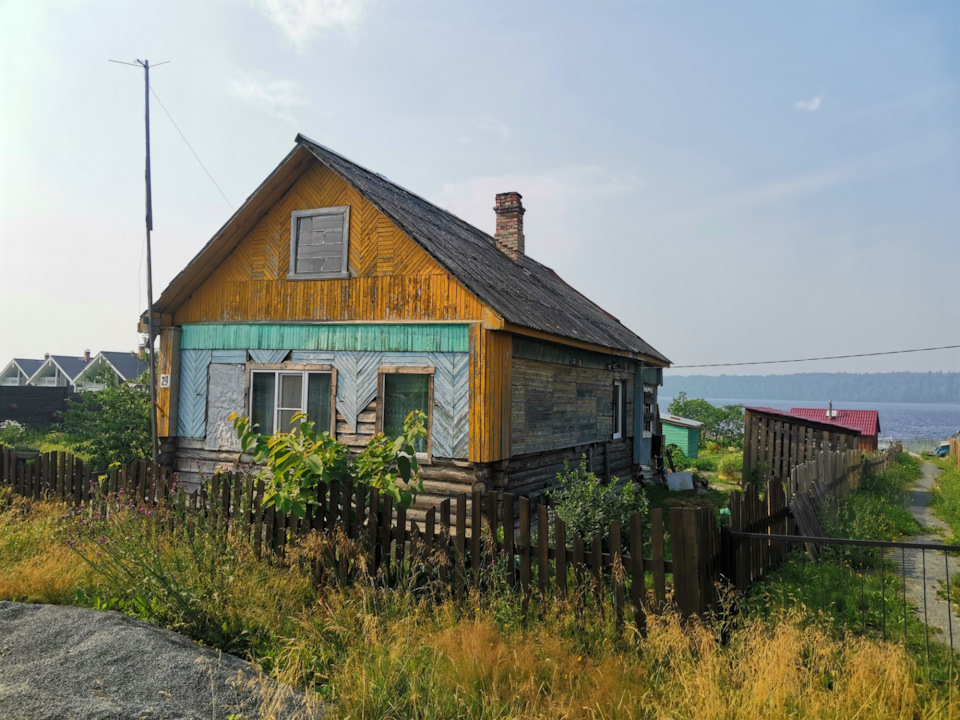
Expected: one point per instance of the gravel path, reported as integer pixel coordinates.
(937, 612)
(70, 663)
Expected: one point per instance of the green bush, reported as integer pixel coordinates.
(295, 464)
(113, 424)
(730, 465)
(946, 495)
(588, 505)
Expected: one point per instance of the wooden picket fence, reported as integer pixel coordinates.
(791, 508)
(646, 566)
(531, 543)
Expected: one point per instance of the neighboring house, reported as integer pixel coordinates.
(60, 371)
(18, 371)
(124, 366)
(334, 291)
(683, 433)
(866, 421)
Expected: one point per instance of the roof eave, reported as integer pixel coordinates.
(242, 220)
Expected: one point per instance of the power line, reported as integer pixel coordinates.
(812, 359)
(191, 147)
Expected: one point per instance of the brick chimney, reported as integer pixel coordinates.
(86, 356)
(509, 234)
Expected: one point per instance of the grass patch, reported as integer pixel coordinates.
(946, 496)
(858, 589)
(317, 619)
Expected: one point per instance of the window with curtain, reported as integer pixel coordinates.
(402, 394)
(277, 395)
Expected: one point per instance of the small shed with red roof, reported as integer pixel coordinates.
(866, 421)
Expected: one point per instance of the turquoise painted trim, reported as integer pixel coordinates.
(369, 337)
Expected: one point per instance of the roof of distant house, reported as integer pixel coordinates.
(815, 421)
(524, 292)
(128, 364)
(69, 364)
(680, 421)
(28, 365)
(867, 421)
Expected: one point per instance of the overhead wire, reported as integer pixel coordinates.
(813, 359)
(187, 142)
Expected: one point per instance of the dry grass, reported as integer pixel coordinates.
(35, 563)
(476, 669)
(316, 620)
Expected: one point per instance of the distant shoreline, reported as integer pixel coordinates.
(895, 388)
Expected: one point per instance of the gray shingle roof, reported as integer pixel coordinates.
(525, 293)
(28, 365)
(126, 363)
(71, 366)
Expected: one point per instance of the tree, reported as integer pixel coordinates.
(722, 424)
(112, 424)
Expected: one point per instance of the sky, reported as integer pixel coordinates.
(735, 181)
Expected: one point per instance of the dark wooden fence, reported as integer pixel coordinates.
(643, 562)
(791, 508)
(532, 545)
(33, 405)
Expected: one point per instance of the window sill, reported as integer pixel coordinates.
(318, 276)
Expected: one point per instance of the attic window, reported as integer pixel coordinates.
(318, 243)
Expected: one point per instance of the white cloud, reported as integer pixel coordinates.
(302, 20)
(277, 96)
(811, 105)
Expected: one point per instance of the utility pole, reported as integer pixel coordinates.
(154, 440)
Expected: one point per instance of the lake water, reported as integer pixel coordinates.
(921, 426)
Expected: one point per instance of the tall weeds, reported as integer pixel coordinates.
(318, 619)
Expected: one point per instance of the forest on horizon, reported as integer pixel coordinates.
(895, 387)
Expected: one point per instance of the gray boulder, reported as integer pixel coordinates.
(68, 662)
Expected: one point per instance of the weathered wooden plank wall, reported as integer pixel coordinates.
(168, 363)
(557, 406)
(491, 368)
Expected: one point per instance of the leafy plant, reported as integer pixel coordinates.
(588, 506)
(12, 433)
(113, 424)
(294, 465)
(730, 465)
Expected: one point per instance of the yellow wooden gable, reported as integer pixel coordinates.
(391, 277)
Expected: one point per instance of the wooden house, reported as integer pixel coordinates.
(867, 421)
(121, 366)
(682, 432)
(19, 371)
(335, 291)
(60, 371)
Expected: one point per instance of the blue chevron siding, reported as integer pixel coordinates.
(357, 386)
(267, 357)
(192, 414)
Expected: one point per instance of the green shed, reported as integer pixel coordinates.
(682, 432)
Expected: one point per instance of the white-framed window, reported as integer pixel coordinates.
(617, 409)
(403, 390)
(278, 392)
(318, 243)
(649, 413)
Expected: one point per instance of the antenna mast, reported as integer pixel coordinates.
(154, 440)
(151, 335)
